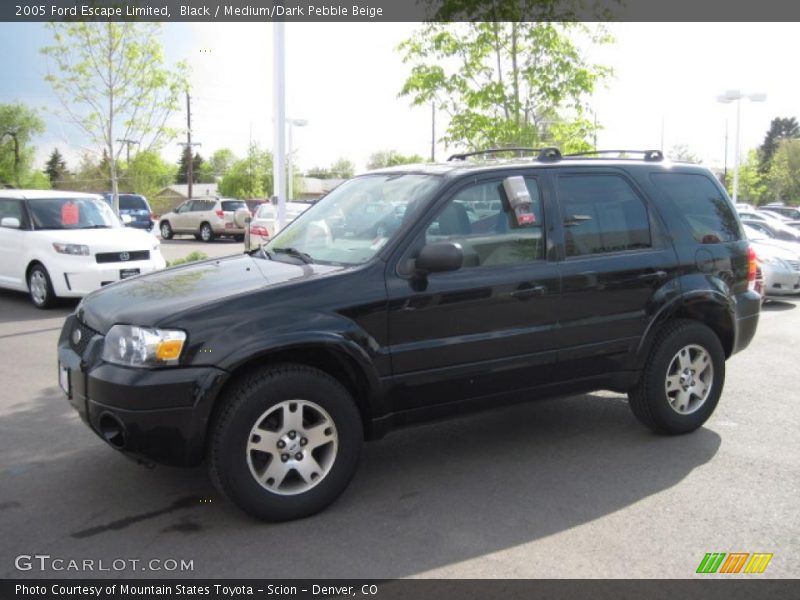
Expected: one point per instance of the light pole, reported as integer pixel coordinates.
(279, 108)
(290, 184)
(737, 96)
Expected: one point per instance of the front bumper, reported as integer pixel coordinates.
(75, 280)
(155, 415)
(779, 281)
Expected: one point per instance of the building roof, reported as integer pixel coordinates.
(182, 190)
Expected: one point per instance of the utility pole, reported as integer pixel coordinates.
(128, 144)
(188, 144)
(433, 131)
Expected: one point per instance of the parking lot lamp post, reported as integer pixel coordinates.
(737, 96)
(290, 183)
(279, 120)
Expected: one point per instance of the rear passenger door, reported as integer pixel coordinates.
(616, 259)
(488, 327)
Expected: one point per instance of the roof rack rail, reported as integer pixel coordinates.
(547, 153)
(654, 155)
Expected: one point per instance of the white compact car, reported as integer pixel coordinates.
(263, 225)
(67, 244)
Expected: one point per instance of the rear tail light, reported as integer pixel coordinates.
(259, 230)
(220, 213)
(752, 267)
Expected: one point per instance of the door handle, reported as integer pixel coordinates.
(652, 275)
(531, 292)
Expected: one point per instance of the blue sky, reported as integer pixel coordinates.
(344, 79)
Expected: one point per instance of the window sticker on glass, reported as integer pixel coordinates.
(70, 215)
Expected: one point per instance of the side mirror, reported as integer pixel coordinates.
(439, 257)
(126, 219)
(10, 222)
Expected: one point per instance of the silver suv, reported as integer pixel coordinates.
(205, 218)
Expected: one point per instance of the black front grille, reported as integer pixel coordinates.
(80, 341)
(112, 257)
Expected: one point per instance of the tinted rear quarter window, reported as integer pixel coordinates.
(601, 214)
(130, 202)
(709, 215)
(232, 205)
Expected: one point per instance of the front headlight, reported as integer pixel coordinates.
(74, 249)
(135, 346)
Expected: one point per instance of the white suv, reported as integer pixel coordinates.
(205, 218)
(67, 244)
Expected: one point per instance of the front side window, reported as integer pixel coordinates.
(354, 221)
(480, 219)
(11, 208)
(601, 214)
(72, 213)
(709, 215)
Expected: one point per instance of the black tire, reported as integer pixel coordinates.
(206, 233)
(243, 407)
(166, 230)
(40, 287)
(649, 399)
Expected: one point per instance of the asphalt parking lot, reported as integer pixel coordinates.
(559, 488)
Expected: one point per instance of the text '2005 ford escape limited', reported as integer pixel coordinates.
(415, 293)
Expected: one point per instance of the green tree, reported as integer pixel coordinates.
(56, 168)
(342, 168)
(221, 161)
(391, 158)
(91, 175)
(783, 179)
(752, 184)
(148, 173)
(200, 173)
(779, 129)
(18, 125)
(682, 152)
(505, 82)
(113, 84)
(250, 177)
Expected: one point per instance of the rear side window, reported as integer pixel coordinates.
(601, 214)
(131, 202)
(232, 205)
(707, 212)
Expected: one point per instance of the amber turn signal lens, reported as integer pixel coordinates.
(169, 349)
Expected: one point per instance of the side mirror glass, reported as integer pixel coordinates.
(439, 257)
(10, 222)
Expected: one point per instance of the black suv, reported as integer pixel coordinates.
(499, 281)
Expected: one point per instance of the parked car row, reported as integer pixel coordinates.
(777, 248)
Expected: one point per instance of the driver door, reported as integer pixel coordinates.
(489, 327)
(181, 216)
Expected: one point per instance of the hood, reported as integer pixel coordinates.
(148, 299)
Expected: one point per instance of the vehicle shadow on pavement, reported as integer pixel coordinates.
(17, 307)
(422, 498)
(778, 305)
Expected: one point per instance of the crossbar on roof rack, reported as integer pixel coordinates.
(547, 153)
(648, 154)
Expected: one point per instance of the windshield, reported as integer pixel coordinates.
(354, 221)
(71, 213)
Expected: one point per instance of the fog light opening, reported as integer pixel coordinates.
(112, 431)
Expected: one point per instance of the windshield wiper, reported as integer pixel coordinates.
(295, 253)
(95, 227)
(264, 251)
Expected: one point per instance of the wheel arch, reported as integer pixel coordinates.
(713, 309)
(336, 360)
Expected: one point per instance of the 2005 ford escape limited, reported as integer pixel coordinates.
(415, 293)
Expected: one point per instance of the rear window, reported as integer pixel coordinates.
(232, 205)
(130, 202)
(707, 212)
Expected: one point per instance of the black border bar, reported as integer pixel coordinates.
(400, 10)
